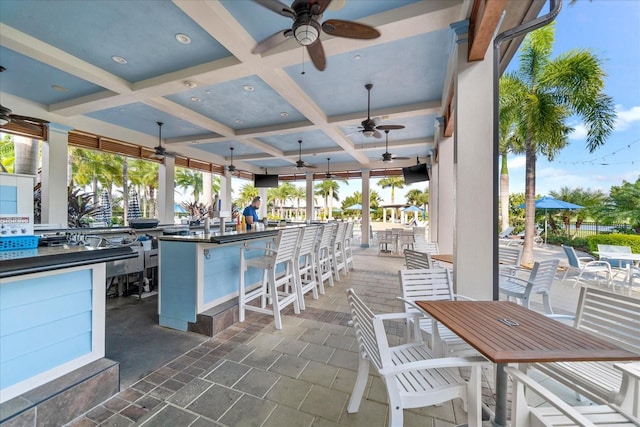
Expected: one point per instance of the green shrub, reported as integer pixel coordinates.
(614, 239)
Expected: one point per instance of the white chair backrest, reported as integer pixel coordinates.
(327, 235)
(419, 231)
(508, 255)
(433, 284)
(615, 249)
(287, 244)
(505, 234)
(308, 240)
(430, 247)
(543, 275)
(371, 343)
(349, 232)
(417, 260)
(339, 235)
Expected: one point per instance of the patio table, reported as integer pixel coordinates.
(505, 332)
(448, 258)
(634, 258)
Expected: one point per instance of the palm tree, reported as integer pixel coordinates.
(544, 93)
(591, 200)
(328, 189)
(420, 198)
(247, 193)
(298, 193)
(508, 142)
(144, 175)
(189, 179)
(623, 204)
(393, 182)
(7, 153)
(284, 192)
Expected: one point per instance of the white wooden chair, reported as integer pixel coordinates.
(337, 250)
(406, 239)
(611, 317)
(385, 238)
(324, 266)
(509, 259)
(415, 260)
(559, 413)
(412, 377)
(286, 247)
(348, 242)
(539, 282)
(586, 264)
(305, 265)
(434, 284)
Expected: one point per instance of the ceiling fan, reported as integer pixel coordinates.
(369, 127)
(300, 163)
(387, 156)
(231, 167)
(30, 123)
(159, 152)
(328, 175)
(306, 28)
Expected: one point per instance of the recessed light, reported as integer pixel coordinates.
(357, 58)
(183, 38)
(59, 88)
(284, 114)
(249, 88)
(238, 121)
(119, 59)
(190, 84)
(196, 99)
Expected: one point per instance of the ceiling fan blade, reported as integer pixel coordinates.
(349, 29)
(377, 134)
(317, 7)
(401, 158)
(25, 124)
(306, 165)
(273, 41)
(316, 53)
(277, 7)
(28, 119)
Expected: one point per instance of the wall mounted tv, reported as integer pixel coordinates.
(415, 173)
(264, 180)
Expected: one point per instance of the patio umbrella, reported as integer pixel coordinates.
(357, 207)
(178, 209)
(548, 202)
(412, 209)
(105, 208)
(134, 205)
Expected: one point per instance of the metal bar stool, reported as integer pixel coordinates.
(286, 247)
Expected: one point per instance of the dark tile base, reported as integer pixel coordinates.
(61, 400)
(216, 319)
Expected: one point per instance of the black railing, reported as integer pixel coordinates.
(591, 228)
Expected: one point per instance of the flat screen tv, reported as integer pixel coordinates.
(264, 180)
(415, 173)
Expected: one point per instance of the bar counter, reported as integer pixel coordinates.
(200, 273)
(52, 313)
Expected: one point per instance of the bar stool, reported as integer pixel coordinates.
(337, 250)
(348, 241)
(324, 269)
(286, 247)
(306, 270)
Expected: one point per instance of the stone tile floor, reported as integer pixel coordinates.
(254, 375)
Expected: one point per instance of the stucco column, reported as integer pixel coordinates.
(54, 180)
(309, 196)
(366, 205)
(434, 195)
(262, 212)
(166, 188)
(475, 174)
(225, 191)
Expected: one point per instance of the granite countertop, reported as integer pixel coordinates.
(227, 236)
(26, 261)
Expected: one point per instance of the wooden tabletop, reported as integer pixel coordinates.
(443, 258)
(536, 338)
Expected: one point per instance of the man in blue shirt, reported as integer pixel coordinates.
(250, 213)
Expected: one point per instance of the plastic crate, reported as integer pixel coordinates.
(12, 243)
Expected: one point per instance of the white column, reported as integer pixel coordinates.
(309, 196)
(225, 191)
(262, 212)
(434, 195)
(366, 205)
(166, 187)
(55, 152)
(207, 196)
(475, 175)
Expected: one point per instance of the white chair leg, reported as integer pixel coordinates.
(359, 386)
(275, 303)
(546, 301)
(297, 280)
(396, 416)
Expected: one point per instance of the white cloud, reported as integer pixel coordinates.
(517, 162)
(627, 117)
(624, 121)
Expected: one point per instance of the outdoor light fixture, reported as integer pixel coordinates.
(307, 31)
(368, 132)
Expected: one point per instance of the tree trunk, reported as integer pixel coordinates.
(26, 155)
(504, 194)
(125, 188)
(330, 203)
(530, 200)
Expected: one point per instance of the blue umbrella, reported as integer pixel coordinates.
(178, 209)
(413, 209)
(548, 202)
(357, 207)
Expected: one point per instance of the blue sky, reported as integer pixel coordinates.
(611, 30)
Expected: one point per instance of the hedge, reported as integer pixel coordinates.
(614, 239)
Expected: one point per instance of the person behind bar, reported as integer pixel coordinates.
(251, 213)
